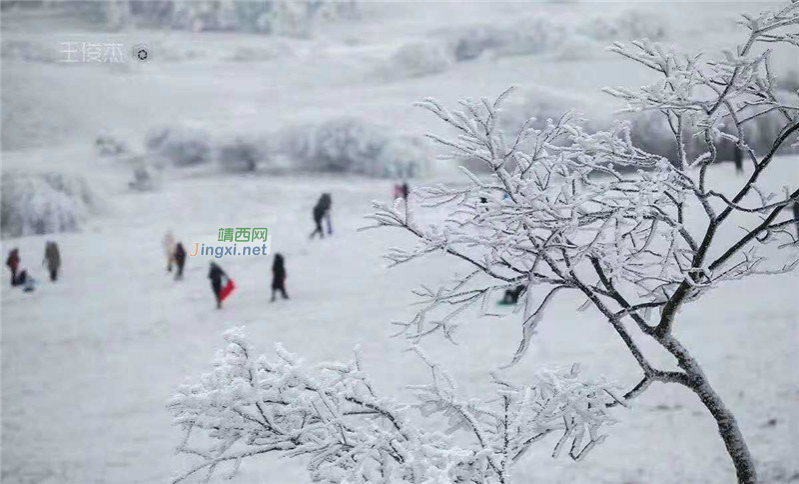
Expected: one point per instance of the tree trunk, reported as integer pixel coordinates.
(730, 433)
(727, 425)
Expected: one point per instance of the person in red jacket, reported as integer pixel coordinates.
(13, 263)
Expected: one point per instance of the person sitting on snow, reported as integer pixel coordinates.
(512, 295)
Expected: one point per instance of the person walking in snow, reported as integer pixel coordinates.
(52, 258)
(180, 260)
(169, 249)
(216, 274)
(405, 190)
(279, 277)
(13, 263)
(321, 211)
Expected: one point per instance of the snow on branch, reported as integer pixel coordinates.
(330, 414)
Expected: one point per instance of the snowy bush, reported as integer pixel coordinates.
(527, 36)
(146, 175)
(532, 35)
(280, 17)
(255, 404)
(27, 50)
(261, 53)
(240, 154)
(182, 146)
(108, 144)
(351, 145)
(630, 24)
(418, 59)
(44, 203)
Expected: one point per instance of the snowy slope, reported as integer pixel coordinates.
(89, 363)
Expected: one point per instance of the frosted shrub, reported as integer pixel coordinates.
(351, 145)
(533, 35)
(240, 154)
(182, 146)
(418, 59)
(44, 203)
(108, 144)
(527, 36)
(28, 50)
(630, 24)
(331, 415)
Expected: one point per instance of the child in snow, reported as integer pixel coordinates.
(216, 274)
(13, 263)
(52, 258)
(169, 249)
(279, 277)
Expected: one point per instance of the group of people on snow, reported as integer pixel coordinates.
(221, 284)
(21, 277)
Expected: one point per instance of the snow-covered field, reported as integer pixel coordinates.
(89, 363)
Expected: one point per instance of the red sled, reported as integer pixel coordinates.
(227, 290)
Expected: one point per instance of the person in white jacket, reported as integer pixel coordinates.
(169, 249)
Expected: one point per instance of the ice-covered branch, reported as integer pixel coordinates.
(253, 404)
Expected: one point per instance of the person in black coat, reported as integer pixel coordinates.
(180, 259)
(216, 274)
(279, 277)
(320, 211)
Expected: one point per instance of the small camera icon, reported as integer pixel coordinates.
(141, 53)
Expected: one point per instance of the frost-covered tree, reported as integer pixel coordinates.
(589, 212)
(331, 414)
